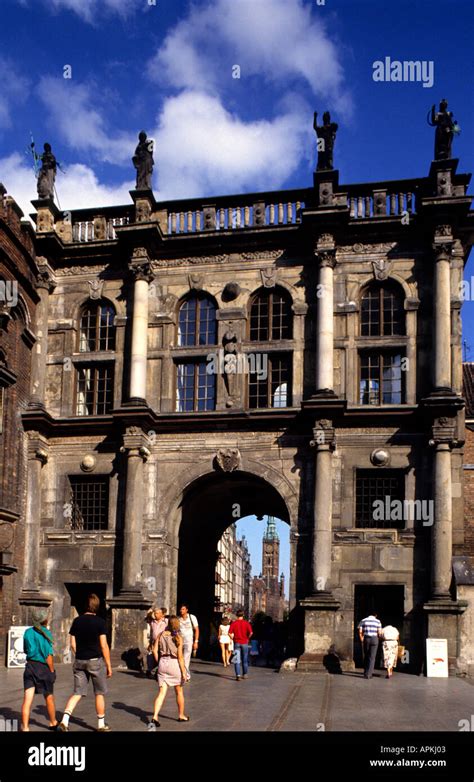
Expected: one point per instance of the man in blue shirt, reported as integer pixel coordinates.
(370, 630)
(39, 675)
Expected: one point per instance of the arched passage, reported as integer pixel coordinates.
(209, 505)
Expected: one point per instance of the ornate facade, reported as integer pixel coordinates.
(292, 353)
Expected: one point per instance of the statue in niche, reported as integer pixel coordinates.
(230, 344)
(143, 161)
(47, 173)
(326, 134)
(446, 127)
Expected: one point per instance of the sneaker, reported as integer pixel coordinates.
(245, 676)
(105, 729)
(61, 727)
(237, 678)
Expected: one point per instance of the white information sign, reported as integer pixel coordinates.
(16, 658)
(437, 657)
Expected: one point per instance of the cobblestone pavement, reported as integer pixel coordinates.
(266, 701)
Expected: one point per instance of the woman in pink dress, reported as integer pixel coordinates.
(168, 652)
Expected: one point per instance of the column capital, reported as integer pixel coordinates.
(136, 443)
(326, 258)
(324, 437)
(45, 278)
(38, 447)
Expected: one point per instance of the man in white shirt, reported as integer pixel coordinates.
(189, 630)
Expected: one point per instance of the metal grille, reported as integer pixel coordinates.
(275, 390)
(371, 488)
(197, 322)
(95, 387)
(97, 330)
(89, 502)
(382, 313)
(195, 388)
(381, 380)
(270, 317)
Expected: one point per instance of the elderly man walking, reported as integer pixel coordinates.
(370, 630)
(39, 675)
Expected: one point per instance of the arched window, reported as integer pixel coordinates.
(381, 312)
(270, 315)
(197, 323)
(96, 328)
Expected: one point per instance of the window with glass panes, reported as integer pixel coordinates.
(381, 378)
(95, 384)
(270, 316)
(195, 387)
(375, 486)
(97, 329)
(197, 323)
(382, 312)
(89, 502)
(274, 390)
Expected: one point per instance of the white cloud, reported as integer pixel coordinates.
(71, 113)
(15, 89)
(77, 188)
(202, 148)
(89, 10)
(278, 40)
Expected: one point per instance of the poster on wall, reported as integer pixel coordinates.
(437, 657)
(16, 658)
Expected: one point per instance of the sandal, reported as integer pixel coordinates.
(183, 719)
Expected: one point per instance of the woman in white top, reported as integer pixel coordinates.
(225, 641)
(390, 636)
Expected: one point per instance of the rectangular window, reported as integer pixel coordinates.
(195, 387)
(89, 502)
(379, 499)
(381, 379)
(274, 390)
(95, 389)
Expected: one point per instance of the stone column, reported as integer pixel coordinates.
(322, 532)
(135, 446)
(143, 275)
(37, 457)
(442, 310)
(326, 256)
(442, 532)
(320, 607)
(45, 285)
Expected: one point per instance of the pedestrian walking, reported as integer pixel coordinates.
(156, 618)
(390, 636)
(168, 652)
(369, 631)
(241, 632)
(88, 639)
(225, 641)
(39, 674)
(189, 630)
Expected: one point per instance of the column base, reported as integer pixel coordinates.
(444, 621)
(34, 597)
(128, 626)
(135, 401)
(319, 634)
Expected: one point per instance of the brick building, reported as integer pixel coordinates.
(338, 307)
(268, 589)
(20, 291)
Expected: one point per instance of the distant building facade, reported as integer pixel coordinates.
(268, 589)
(232, 573)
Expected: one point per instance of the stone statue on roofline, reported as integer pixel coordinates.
(446, 128)
(143, 161)
(47, 173)
(326, 134)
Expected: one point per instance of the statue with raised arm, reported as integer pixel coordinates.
(446, 127)
(326, 134)
(47, 173)
(143, 161)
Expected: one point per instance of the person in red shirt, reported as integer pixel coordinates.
(241, 632)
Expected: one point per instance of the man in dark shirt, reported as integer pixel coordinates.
(89, 644)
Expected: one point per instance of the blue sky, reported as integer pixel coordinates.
(168, 68)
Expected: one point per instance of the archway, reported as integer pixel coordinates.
(209, 505)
